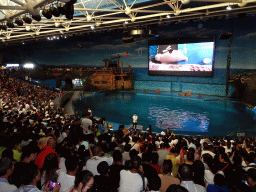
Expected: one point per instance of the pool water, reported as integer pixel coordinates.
(211, 116)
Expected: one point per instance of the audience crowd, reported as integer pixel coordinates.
(44, 149)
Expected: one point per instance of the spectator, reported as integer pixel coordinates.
(6, 169)
(155, 164)
(47, 149)
(176, 188)
(83, 182)
(186, 175)
(132, 153)
(166, 176)
(175, 160)
(115, 169)
(67, 180)
(131, 180)
(87, 126)
(219, 184)
(249, 161)
(98, 156)
(251, 178)
(198, 172)
(102, 182)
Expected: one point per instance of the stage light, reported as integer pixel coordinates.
(18, 21)
(54, 11)
(27, 20)
(36, 17)
(229, 8)
(28, 28)
(10, 24)
(46, 13)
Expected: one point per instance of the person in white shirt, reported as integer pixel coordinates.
(67, 180)
(98, 156)
(87, 126)
(6, 169)
(131, 180)
(135, 120)
(186, 174)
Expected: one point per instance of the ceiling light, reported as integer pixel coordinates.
(36, 17)
(57, 24)
(168, 16)
(92, 27)
(18, 21)
(46, 13)
(89, 17)
(126, 22)
(27, 27)
(229, 8)
(61, 32)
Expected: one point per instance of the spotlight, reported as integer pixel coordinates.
(229, 8)
(126, 22)
(36, 17)
(28, 28)
(47, 14)
(10, 24)
(168, 16)
(54, 11)
(92, 27)
(19, 22)
(27, 20)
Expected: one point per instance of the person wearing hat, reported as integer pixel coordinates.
(6, 169)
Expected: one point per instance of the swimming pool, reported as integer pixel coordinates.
(211, 116)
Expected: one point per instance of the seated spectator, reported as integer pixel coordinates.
(29, 153)
(132, 153)
(67, 180)
(175, 161)
(155, 164)
(219, 184)
(166, 176)
(83, 182)
(155, 184)
(176, 188)
(131, 180)
(114, 170)
(47, 149)
(148, 171)
(251, 178)
(198, 172)
(6, 169)
(190, 156)
(49, 170)
(98, 156)
(249, 161)
(162, 153)
(102, 182)
(186, 175)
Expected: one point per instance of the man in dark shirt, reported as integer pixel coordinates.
(114, 170)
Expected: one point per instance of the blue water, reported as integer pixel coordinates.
(211, 116)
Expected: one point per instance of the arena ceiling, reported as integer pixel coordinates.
(100, 15)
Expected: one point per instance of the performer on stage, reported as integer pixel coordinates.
(135, 120)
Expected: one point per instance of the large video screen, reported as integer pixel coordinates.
(182, 57)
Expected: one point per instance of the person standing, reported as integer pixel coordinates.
(135, 120)
(87, 126)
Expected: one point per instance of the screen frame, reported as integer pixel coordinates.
(183, 41)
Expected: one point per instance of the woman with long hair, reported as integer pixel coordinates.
(83, 182)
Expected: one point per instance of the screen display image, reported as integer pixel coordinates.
(181, 59)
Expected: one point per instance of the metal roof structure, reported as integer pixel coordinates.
(101, 15)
